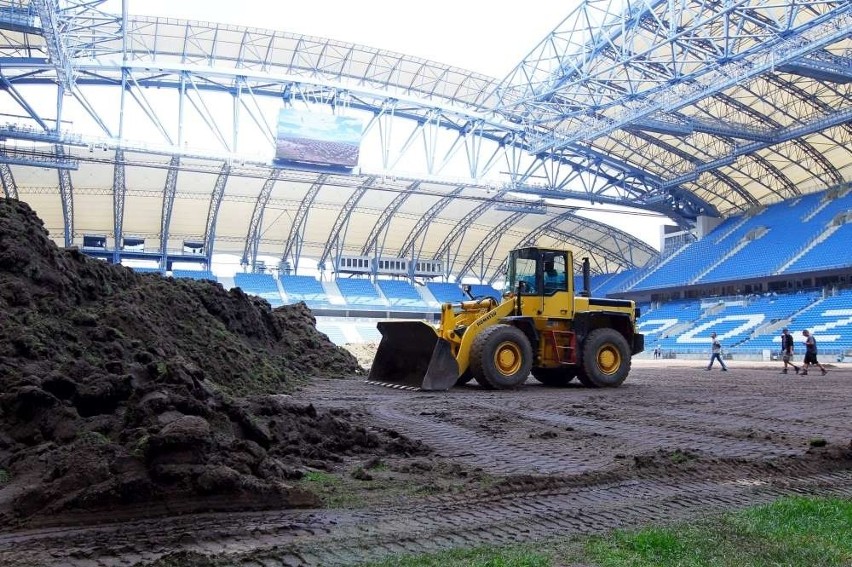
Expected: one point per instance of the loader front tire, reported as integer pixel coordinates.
(501, 357)
(606, 359)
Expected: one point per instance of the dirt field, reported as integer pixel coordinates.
(151, 421)
(673, 442)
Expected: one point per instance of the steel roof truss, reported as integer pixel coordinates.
(256, 223)
(490, 241)
(384, 220)
(293, 246)
(256, 114)
(66, 193)
(423, 223)
(338, 231)
(205, 113)
(461, 226)
(169, 190)
(16, 96)
(10, 188)
(138, 95)
(213, 212)
(804, 128)
(119, 192)
(745, 59)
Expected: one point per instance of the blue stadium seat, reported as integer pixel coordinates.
(307, 289)
(359, 292)
(194, 274)
(445, 292)
(262, 285)
(402, 295)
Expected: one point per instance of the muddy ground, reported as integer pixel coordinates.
(674, 442)
(152, 421)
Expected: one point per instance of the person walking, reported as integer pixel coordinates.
(716, 353)
(787, 351)
(811, 354)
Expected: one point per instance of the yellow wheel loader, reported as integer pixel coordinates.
(540, 327)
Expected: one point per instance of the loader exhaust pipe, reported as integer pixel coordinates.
(587, 280)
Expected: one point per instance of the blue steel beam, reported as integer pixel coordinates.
(461, 227)
(256, 223)
(169, 190)
(684, 126)
(38, 158)
(800, 130)
(806, 148)
(16, 96)
(622, 175)
(20, 19)
(66, 193)
(492, 239)
(213, 212)
(52, 28)
(293, 245)
(423, 223)
(822, 66)
(600, 99)
(381, 225)
(119, 192)
(10, 188)
(338, 232)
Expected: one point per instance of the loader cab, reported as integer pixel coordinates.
(545, 274)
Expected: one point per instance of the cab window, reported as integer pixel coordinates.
(525, 275)
(555, 274)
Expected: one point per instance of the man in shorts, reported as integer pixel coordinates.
(787, 351)
(811, 354)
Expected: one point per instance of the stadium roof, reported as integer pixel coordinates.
(687, 109)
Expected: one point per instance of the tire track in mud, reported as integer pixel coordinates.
(649, 437)
(584, 492)
(508, 515)
(493, 455)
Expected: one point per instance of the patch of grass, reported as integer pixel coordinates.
(791, 532)
(5, 477)
(678, 457)
(331, 489)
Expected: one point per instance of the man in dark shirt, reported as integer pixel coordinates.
(787, 351)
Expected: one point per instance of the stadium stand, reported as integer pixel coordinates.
(307, 289)
(829, 320)
(446, 292)
(146, 270)
(402, 295)
(194, 274)
(360, 292)
(334, 332)
(481, 290)
(612, 283)
(262, 285)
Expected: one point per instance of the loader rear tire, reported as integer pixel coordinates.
(501, 357)
(606, 358)
(554, 376)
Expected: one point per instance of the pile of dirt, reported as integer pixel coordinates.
(126, 389)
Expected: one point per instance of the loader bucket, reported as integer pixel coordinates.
(412, 354)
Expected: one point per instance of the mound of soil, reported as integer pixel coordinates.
(126, 389)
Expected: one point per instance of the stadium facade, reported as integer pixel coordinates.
(161, 143)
